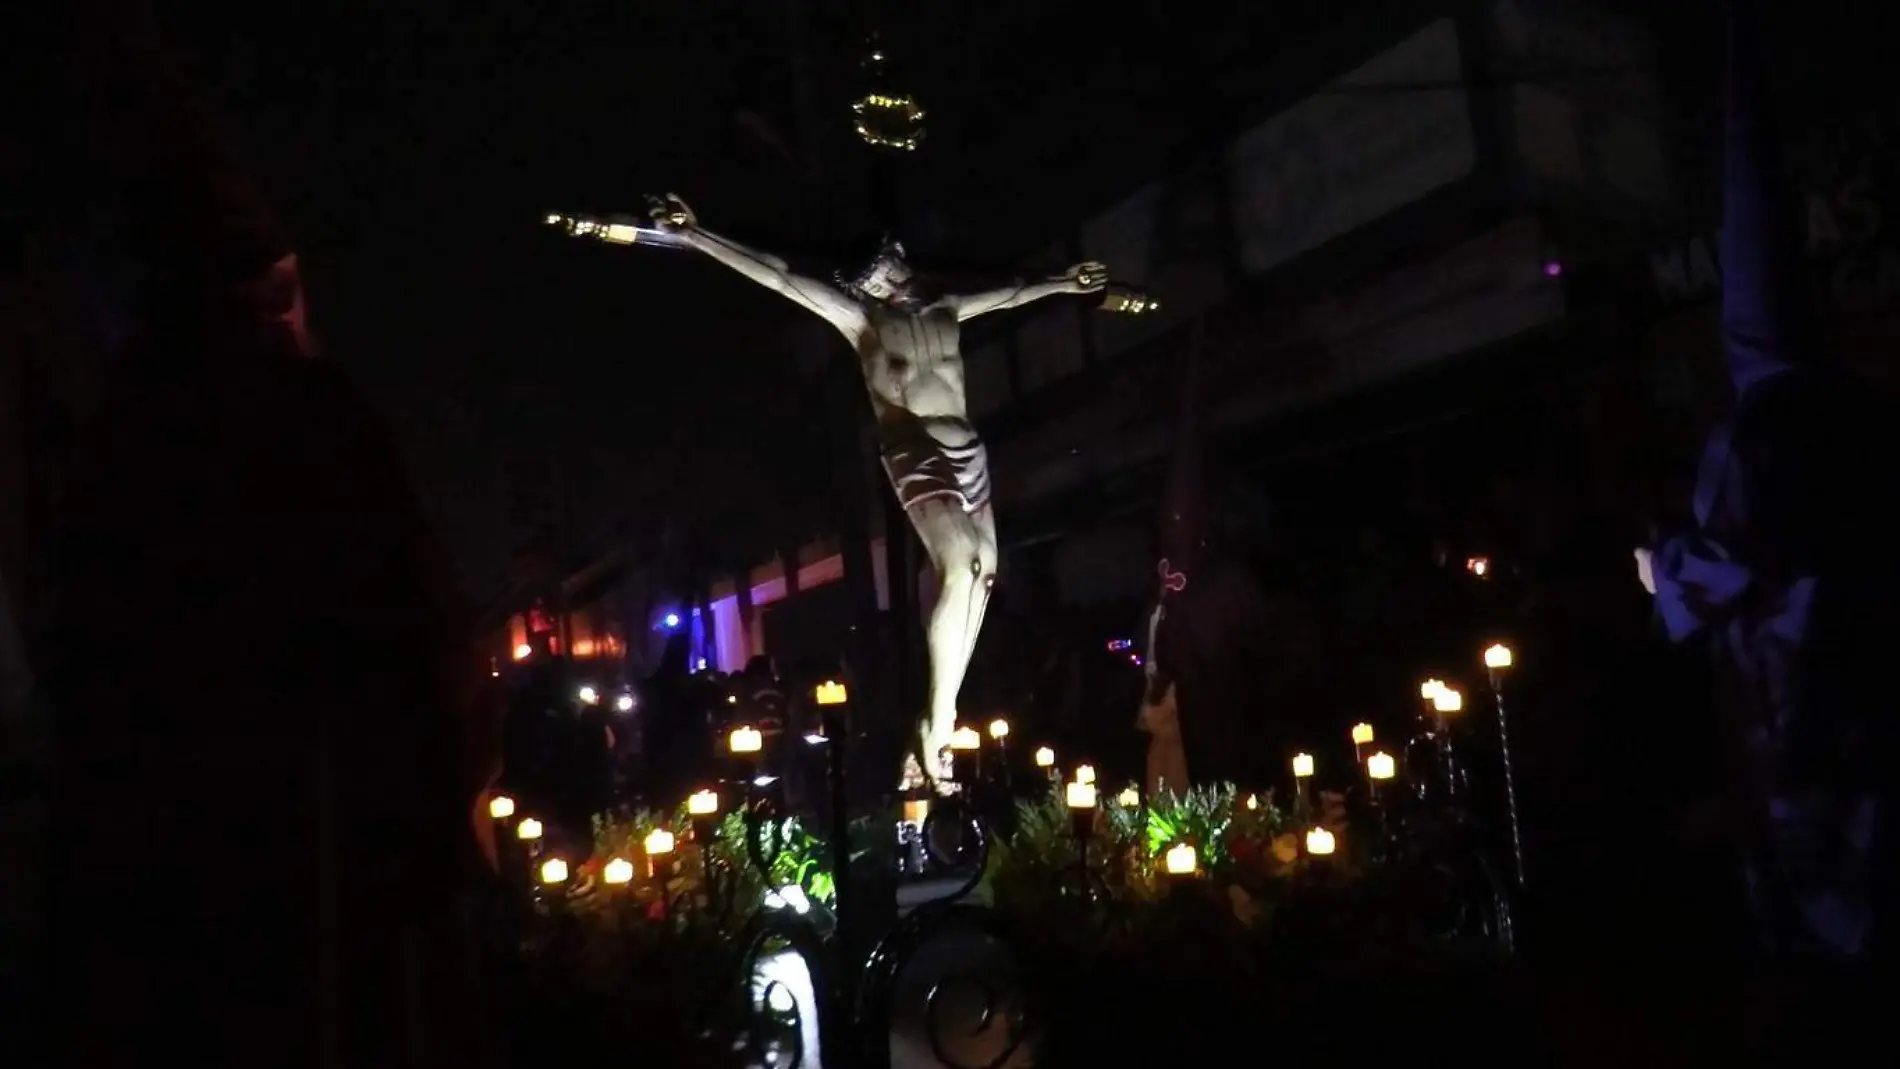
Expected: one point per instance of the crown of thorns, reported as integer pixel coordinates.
(890, 250)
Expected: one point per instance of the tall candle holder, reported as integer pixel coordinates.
(1447, 703)
(1361, 738)
(1497, 660)
(966, 755)
(1080, 798)
(1302, 776)
(999, 734)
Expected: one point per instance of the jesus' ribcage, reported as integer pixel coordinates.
(938, 457)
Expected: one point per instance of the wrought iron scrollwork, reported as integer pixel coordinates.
(764, 834)
(955, 836)
(932, 923)
(1013, 1017)
(1456, 891)
(770, 1014)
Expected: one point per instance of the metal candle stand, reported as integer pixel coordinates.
(1440, 838)
(1495, 665)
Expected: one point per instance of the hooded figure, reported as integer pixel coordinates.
(270, 760)
(1783, 577)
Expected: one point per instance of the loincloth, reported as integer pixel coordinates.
(936, 457)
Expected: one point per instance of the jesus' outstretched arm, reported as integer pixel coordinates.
(770, 271)
(1082, 278)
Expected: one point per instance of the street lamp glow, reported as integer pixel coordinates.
(1497, 656)
(589, 696)
(1381, 766)
(1045, 757)
(523, 652)
(501, 807)
(745, 739)
(624, 703)
(999, 729)
(1320, 842)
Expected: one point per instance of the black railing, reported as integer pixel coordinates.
(855, 991)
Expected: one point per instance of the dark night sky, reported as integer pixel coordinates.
(415, 147)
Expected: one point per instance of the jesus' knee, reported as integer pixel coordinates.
(959, 584)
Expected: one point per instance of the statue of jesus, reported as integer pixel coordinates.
(908, 351)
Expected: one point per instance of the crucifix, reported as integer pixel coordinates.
(908, 344)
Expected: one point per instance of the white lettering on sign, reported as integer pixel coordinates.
(1845, 231)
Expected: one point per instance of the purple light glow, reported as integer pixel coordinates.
(1553, 269)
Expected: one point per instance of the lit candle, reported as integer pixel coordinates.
(964, 739)
(702, 803)
(617, 871)
(501, 807)
(1497, 656)
(1253, 801)
(1361, 734)
(659, 848)
(553, 871)
(1319, 842)
(1085, 774)
(1181, 860)
(999, 729)
(831, 692)
(1430, 688)
(1380, 766)
(745, 740)
(1045, 757)
(1129, 798)
(1448, 701)
(1080, 795)
(1302, 765)
(528, 830)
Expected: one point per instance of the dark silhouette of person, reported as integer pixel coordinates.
(674, 718)
(1783, 577)
(271, 768)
